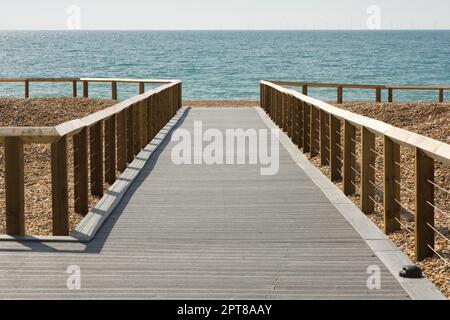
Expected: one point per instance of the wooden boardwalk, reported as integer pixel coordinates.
(208, 231)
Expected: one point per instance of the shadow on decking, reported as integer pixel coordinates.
(97, 243)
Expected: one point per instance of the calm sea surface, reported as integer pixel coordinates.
(229, 64)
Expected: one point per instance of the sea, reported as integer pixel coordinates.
(228, 64)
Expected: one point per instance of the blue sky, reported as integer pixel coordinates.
(226, 14)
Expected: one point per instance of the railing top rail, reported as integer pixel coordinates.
(69, 128)
(149, 81)
(356, 86)
(419, 87)
(68, 79)
(433, 148)
(327, 85)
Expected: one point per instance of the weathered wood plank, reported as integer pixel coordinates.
(74, 88)
(335, 149)
(130, 134)
(14, 187)
(324, 138)
(110, 150)
(424, 218)
(122, 141)
(114, 90)
(85, 89)
(81, 171)
(391, 188)
(314, 134)
(60, 194)
(306, 127)
(349, 159)
(368, 158)
(96, 158)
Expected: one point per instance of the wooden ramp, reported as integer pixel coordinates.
(208, 231)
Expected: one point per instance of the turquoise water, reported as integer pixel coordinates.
(229, 64)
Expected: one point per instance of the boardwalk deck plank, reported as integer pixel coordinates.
(199, 231)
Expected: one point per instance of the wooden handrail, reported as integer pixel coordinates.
(327, 85)
(112, 131)
(433, 148)
(315, 126)
(85, 82)
(378, 88)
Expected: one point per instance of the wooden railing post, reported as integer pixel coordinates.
(74, 88)
(276, 104)
(424, 218)
(110, 149)
(143, 119)
(180, 95)
(156, 112)
(148, 108)
(266, 98)
(85, 89)
(291, 119)
(130, 134)
(60, 194)
(305, 90)
(283, 112)
(122, 141)
(278, 114)
(261, 97)
(368, 158)
(297, 123)
(27, 89)
(324, 135)
(390, 95)
(114, 90)
(96, 157)
(141, 87)
(152, 117)
(314, 132)
(271, 102)
(378, 95)
(160, 110)
(137, 125)
(349, 160)
(391, 186)
(306, 127)
(81, 171)
(335, 149)
(441, 95)
(170, 103)
(340, 94)
(14, 187)
(165, 107)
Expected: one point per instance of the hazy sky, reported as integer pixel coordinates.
(226, 14)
